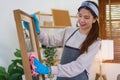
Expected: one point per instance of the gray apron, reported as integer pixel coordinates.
(71, 54)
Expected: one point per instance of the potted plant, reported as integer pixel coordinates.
(50, 55)
(15, 69)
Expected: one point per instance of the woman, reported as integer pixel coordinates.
(80, 45)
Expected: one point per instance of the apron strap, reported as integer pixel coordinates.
(71, 35)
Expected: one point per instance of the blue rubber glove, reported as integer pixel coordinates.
(41, 69)
(36, 23)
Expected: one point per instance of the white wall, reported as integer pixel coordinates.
(8, 34)
(111, 70)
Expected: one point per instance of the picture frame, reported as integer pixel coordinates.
(61, 18)
(21, 16)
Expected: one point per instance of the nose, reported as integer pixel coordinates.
(81, 19)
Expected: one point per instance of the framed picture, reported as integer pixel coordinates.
(61, 18)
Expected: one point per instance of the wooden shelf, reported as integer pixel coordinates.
(52, 15)
(52, 27)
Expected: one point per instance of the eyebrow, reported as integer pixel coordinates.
(87, 16)
(84, 15)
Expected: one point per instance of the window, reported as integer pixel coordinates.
(110, 24)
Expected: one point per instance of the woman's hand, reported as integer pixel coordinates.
(36, 24)
(41, 68)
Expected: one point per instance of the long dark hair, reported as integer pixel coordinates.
(94, 32)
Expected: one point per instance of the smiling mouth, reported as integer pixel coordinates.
(82, 24)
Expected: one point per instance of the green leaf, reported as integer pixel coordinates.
(14, 76)
(16, 69)
(3, 73)
(50, 54)
(11, 67)
(17, 61)
(2, 78)
(19, 70)
(2, 69)
(17, 53)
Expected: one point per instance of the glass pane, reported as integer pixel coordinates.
(27, 36)
(115, 12)
(114, 30)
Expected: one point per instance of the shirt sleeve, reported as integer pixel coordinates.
(52, 40)
(55, 39)
(74, 68)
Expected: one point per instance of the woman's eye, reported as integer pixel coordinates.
(80, 15)
(86, 17)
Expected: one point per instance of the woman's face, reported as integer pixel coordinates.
(85, 19)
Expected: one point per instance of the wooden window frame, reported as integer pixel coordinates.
(20, 16)
(102, 20)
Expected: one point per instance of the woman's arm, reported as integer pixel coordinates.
(56, 39)
(51, 40)
(83, 62)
